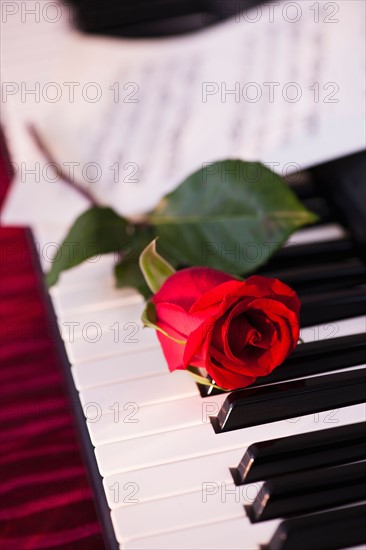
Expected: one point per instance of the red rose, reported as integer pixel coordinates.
(236, 330)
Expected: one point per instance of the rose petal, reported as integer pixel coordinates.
(236, 330)
(276, 288)
(184, 287)
(239, 334)
(232, 344)
(287, 329)
(275, 308)
(217, 300)
(173, 352)
(174, 320)
(196, 346)
(227, 378)
(264, 327)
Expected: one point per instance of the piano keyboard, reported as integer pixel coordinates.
(279, 465)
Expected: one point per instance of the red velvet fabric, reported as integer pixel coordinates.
(46, 501)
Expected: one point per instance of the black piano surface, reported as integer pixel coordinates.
(153, 18)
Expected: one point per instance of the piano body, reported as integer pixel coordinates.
(278, 465)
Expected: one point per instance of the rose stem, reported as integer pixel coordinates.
(64, 177)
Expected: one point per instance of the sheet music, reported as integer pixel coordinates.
(259, 87)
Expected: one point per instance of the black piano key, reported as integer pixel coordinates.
(321, 207)
(334, 530)
(254, 406)
(323, 251)
(327, 276)
(312, 358)
(296, 494)
(344, 183)
(334, 446)
(319, 357)
(302, 184)
(332, 306)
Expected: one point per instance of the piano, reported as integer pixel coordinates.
(279, 465)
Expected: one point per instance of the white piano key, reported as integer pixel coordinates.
(131, 336)
(161, 417)
(94, 273)
(233, 534)
(160, 388)
(180, 412)
(114, 369)
(98, 343)
(101, 277)
(183, 511)
(93, 298)
(213, 536)
(60, 293)
(171, 479)
(105, 318)
(334, 329)
(326, 232)
(201, 440)
(117, 318)
(90, 273)
(149, 362)
(119, 368)
(58, 290)
(164, 448)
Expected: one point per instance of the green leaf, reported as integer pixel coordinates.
(231, 215)
(155, 269)
(97, 231)
(128, 274)
(148, 318)
(127, 271)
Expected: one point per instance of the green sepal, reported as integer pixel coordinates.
(148, 318)
(154, 267)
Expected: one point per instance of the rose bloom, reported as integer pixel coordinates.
(236, 330)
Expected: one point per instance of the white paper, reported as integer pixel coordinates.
(163, 126)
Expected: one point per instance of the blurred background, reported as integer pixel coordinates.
(130, 117)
